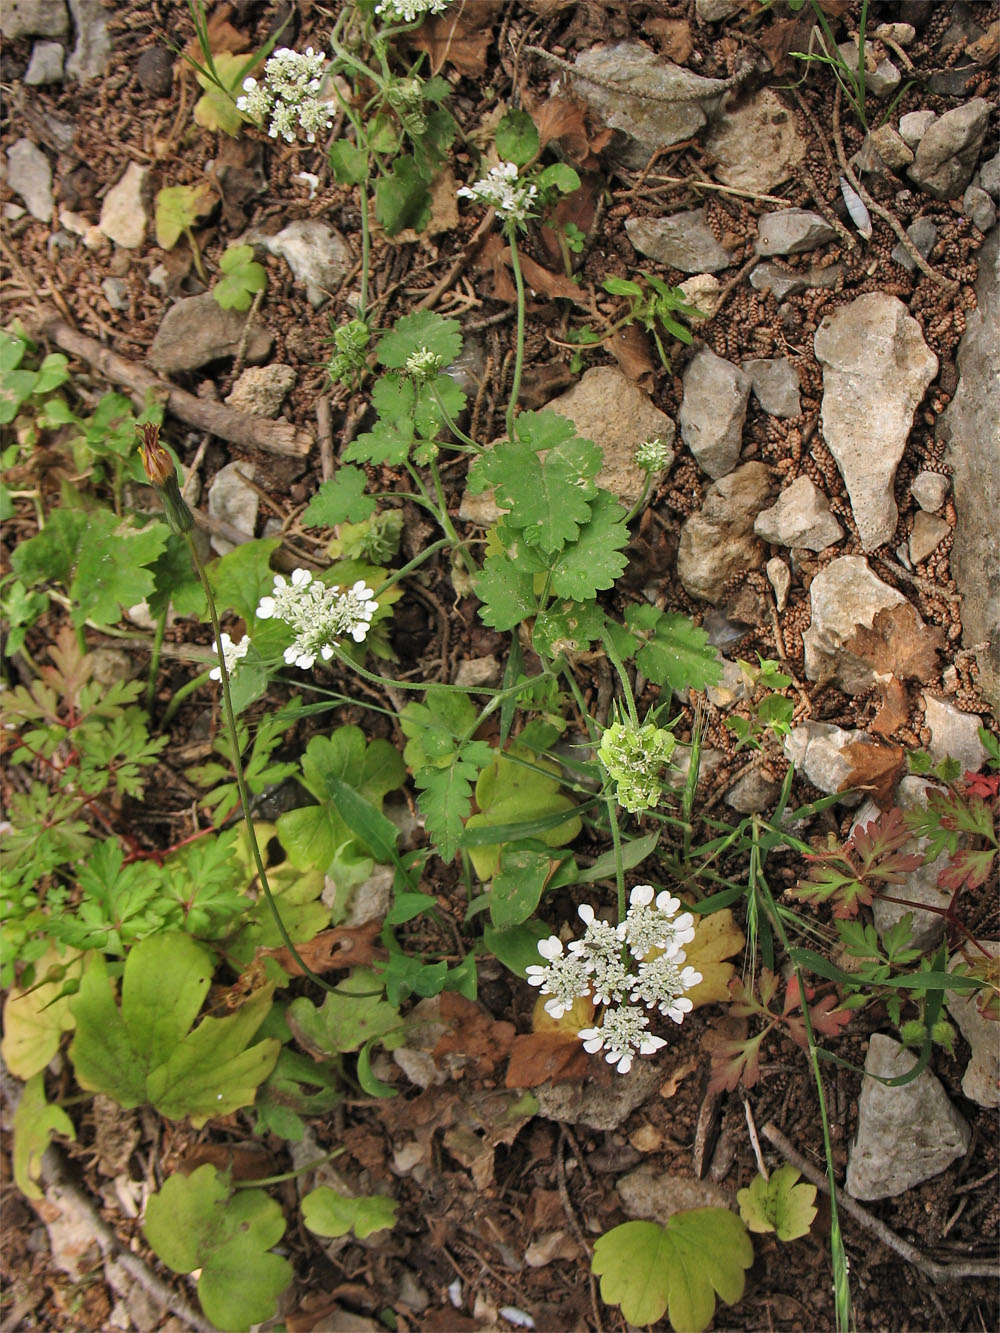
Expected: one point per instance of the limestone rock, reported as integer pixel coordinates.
(817, 751)
(753, 793)
(261, 390)
(792, 230)
(233, 501)
(926, 536)
(46, 65)
(713, 410)
(714, 11)
(914, 125)
(123, 214)
(30, 176)
(718, 542)
(885, 78)
(775, 385)
(923, 234)
(93, 43)
(800, 517)
(317, 256)
(653, 1194)
(891, 147)
(876, 368)
(970, 426)
(599, 1105)
(906, 1134)
(197, 330)
(33, 18)
(608, 408)
(930, 490)
(947, 154)
(989, 176)
(780, 578)
(843, 595)
(757, 145)
(704, 292)
(782, 282)
(682, 240)
(981, 1080)
(977, 205)
(954, 734)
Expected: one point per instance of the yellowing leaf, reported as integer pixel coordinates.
(717, 937)
(35, 1020)
(778, 1204)
(177, 209)
(216, 108)
(34, 1121)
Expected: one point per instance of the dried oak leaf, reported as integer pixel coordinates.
(900, 642)
(552, 1051)
(875, 769)
(560, 121)
(461, 37)
(540, 280)
(342, 947)
(632, 349)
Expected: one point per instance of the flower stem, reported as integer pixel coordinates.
(515, 388)
(154, 657)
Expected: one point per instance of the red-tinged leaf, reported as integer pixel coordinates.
(887, 833)
(735, 1062)
(827, 1018)
(981, 784)
(967, 867)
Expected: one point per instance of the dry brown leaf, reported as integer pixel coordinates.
(717, 937)
(564, 123)
(460, 38)
(632, 350)
(542, 382)
(670, 1085)
(546, 1057)
(984, 50)
(342, 947)
(875, 769)
(246, 1161)
(540, 280)
(482, 1041)
(674, 37)
(894, 708)
(222, 36)
(900, 642)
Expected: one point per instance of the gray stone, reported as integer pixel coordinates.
(989, 176)
(115, 293)
(261, 390)
(30, 176)
(608, 408)
(817, 751)
(914, 125)
(780, 578)
(671, 104)
(93, 42)
(111, 666)
(947, 154)
(756, 145)
(753, 793)
(906, 1134)
(197, 330)
(781, 282)
(923, 234)
(876, 368)
(683, 240)
(123, 213)
(233, 501)
(800, 517)
(731, 687)
(926, 535)
(714, 11)
(155, 71)
(792, 230)
(46, 65)
(981, 1080)
(930, 490)
(903, 34)
(891, 147)
(977, 205)
(316, 255)
(475, 673)
(843, 596)
(883, 79)
(970, 426)
(655, 1195)
(954, 734)
(599, 1105)
(33, 18)
(718, 542)
(713, 410)
(775, 385)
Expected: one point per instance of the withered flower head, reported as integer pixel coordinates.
(162, 474)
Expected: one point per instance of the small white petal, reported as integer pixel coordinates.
(641, 895)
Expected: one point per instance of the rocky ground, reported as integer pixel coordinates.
(836, 470)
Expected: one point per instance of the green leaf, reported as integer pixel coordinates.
(327, 1213)
(596, 558)
(243, 576)
(648, 1269)
(175, 582)
(559, 177)
(516, 948)
(512, 792)
(621, 287)
(12, 349)
(147, 1050)
(111, 568)
(178, 207)
(244, 277)
(339, 500)
(445, 803)
(518, 885)
(216, 108)
(422, 329)
(778, 1204)
(349, 164)
(507, 594)
(517, 138)
(35, 1019)
(282, 1099)
(567, 625)
(35, 1121)
(676, 652)
(347, 1018)
(402, 198)
(199, 1222)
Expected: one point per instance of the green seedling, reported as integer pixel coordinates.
(244, 278)
(654, 308)
(178, 208)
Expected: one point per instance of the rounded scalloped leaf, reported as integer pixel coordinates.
(34, 1020)
(717, 937)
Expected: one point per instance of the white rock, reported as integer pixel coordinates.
(926, 536)
(123, 214)
(713, 11)
(261, 390)
(923, 234)
(476, 672)
(884, 78)
(46, 64)
(906, 1134)
(816, 749)
(843, 596)
(891, 147)
(93, 42)
(800, 517)
(731, 686)
(233, 501)
(930, 490)
(649, 1192)
(947, 153)
(33, 18)
(30, 176)
(757, 145)
(713, 410)
(914, 125)
(780, 578)
(718, 542)
(954, 734)
(317, 256)
(981, 1080)
(876, 368)
(704, 292)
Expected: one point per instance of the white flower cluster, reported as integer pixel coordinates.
(408, 11)
(598, 966)
(423, 364)
(501, 189)
(653, 455)
(320, 615)
(287, 96)
(231, 654)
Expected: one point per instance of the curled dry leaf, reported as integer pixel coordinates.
(894, 707)
(460, 37)
(481, 1040)
(875, 769)
(342, 947)
(552, 1052)
(900, 642)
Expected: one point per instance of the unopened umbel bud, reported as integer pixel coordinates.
(162, 474)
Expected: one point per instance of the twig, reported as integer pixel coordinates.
(442, 285)
(273, 437)
(937, 1272)
(696, 184)
(241, 350)
(925, 585)
(754, 1140)
(324, 429)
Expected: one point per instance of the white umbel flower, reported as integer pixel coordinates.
(231, 654)
(287, 96)
(501, 189)
(622, 1034)
(409, 11)
(649, 927)
(564, 977)
(662, 982)
(320, 615)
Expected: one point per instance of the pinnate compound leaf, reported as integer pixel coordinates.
(778, 1204)
(147, 1050)
(679, 1268)
(340, 500)
(198, 1221)
(445, 803)
(327, 1213)
(675, 652)
(35, 1121)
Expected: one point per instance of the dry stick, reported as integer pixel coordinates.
(947, 284)
(273, 437)
(324, 429)
(937, 1272)
(442, 285)
(241, 351)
